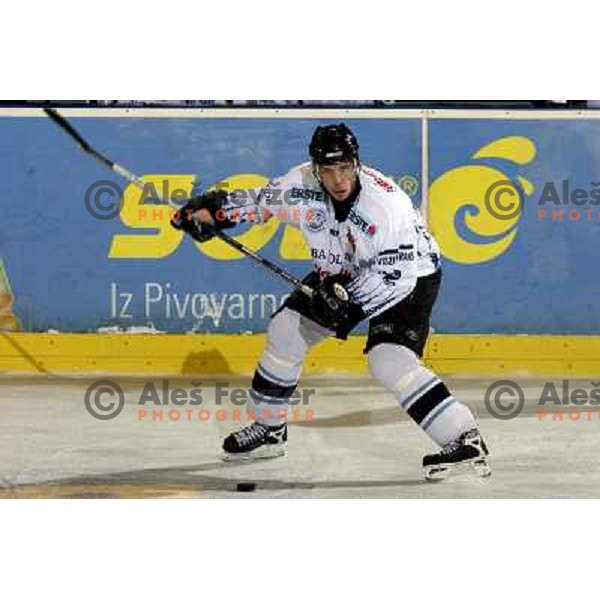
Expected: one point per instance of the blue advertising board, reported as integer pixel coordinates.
(515, 206)
(72, 271)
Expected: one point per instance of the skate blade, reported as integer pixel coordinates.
(480, 466)
(262, 453)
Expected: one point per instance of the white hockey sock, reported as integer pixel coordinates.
(420, 392)
(289, 338)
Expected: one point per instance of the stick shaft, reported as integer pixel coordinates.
(133, 178)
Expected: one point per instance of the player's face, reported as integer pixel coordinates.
(339, 180)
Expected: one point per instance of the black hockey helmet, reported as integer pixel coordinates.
(333, 144)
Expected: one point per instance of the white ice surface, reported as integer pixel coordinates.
(359, 445)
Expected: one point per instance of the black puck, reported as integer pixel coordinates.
(245, 487)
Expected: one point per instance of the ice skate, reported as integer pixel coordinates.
(255, 442)
(468, 450)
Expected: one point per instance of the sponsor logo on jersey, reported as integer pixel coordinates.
(386, 185)
(391, 259)
(390, 278)
(388, 258)
(411, 334)
(369, 229)
(274, 193)
(307, 194)
(384, 328)
(329, 257)
(316, 221)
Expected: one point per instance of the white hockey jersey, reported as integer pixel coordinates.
(383, 244)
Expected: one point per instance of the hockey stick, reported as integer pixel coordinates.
(131, 177)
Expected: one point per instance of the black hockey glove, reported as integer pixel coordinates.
(202, 216)
(330, 303)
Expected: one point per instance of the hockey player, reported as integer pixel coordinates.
(373, 259)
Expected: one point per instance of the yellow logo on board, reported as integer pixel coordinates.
(459, 200)
(492, 221)
(157, 239)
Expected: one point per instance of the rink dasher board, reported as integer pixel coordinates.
(170, 354)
